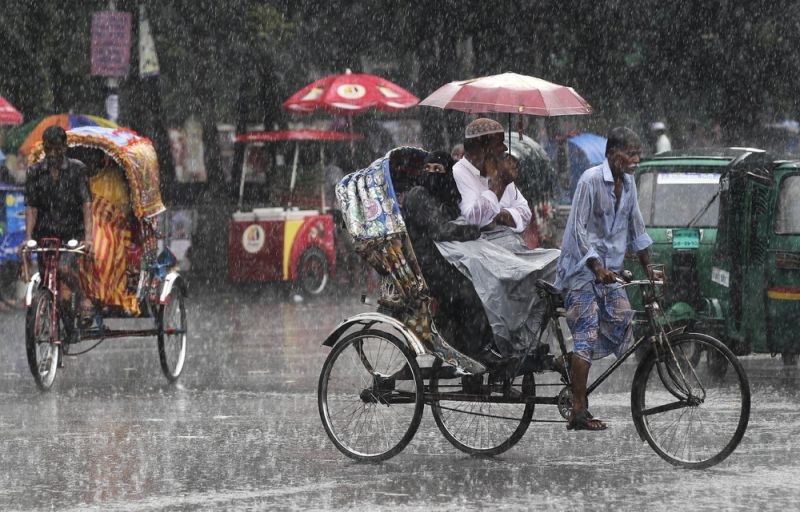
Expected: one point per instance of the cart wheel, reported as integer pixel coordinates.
(42, 351)
(692, 416)
(312, 271)
(172, 328)
(490, 419)
(370, 396)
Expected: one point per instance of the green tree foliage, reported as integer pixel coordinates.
(727, 60)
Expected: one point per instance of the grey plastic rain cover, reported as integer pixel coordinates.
(504, 272)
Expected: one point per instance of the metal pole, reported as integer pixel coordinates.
(294, 172)
(322, 173)
(112, 85)
(241, 186)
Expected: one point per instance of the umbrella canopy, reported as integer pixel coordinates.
(22, 139)
(349, 94)
(302, 134)
(8, 114)
(509, 93)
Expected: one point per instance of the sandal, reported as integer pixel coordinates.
(583, 420)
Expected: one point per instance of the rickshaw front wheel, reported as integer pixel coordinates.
(172, 328)
(692, 416)
(42, 351)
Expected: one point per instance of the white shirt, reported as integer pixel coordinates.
(663, 144)
(480, 206)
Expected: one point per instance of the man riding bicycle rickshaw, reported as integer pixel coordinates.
(58, 206)
(91, 222)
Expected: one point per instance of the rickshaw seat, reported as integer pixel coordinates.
(545, 289)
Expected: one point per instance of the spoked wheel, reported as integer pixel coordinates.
(312, 271)
(480, 417)
(693, 416)
(40, 336)
(370, 396)
(172, 328)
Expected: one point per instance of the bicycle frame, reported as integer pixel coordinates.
(50, 252)
(652, 310)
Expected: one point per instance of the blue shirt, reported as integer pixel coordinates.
(596, 229)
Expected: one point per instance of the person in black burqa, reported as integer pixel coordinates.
(428, 210)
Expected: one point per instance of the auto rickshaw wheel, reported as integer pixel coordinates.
(789, 358)
(313, 271)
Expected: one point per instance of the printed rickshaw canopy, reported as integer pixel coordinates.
(134, 153)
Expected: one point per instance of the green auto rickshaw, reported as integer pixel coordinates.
(710, 212)
(755, 275)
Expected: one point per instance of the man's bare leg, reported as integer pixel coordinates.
(580, 376)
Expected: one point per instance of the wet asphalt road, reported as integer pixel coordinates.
(241, 431)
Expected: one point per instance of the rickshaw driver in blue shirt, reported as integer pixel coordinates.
(604, 223)
(58, 205)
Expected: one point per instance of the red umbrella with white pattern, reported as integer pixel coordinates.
(350, 93)
(8, 114)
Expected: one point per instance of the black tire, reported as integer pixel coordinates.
(693, 416)
(42, 351)
(480, 426)
(313, 272)
(789, 358)
(370, 396)
(172, 331)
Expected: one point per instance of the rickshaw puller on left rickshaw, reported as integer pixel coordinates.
(58, 205)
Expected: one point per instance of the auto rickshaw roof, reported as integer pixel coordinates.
(134, 153)
(702, 156)
(788, 165)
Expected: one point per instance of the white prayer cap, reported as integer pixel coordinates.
(658, 125)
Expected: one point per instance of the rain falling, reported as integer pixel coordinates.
(306, 255)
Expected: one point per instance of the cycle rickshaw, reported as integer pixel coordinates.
(127, 276)
(372, 388)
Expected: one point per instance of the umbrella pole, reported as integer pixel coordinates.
(352, 141)
(322, 183)
(294, 172)
(509, 132)
(241, 186)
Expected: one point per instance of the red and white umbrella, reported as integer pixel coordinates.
(350, 93)
(300, 134)
(509, 93)
(8, 114)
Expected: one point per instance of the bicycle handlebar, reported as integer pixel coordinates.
(77, 250)
(638, 282)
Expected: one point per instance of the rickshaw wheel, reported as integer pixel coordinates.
(312, 271)
(40, 347)
(492, 418)
(172, 328)
(692, 416)
(370, 396)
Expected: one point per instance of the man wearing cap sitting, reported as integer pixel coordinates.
(486, 183)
